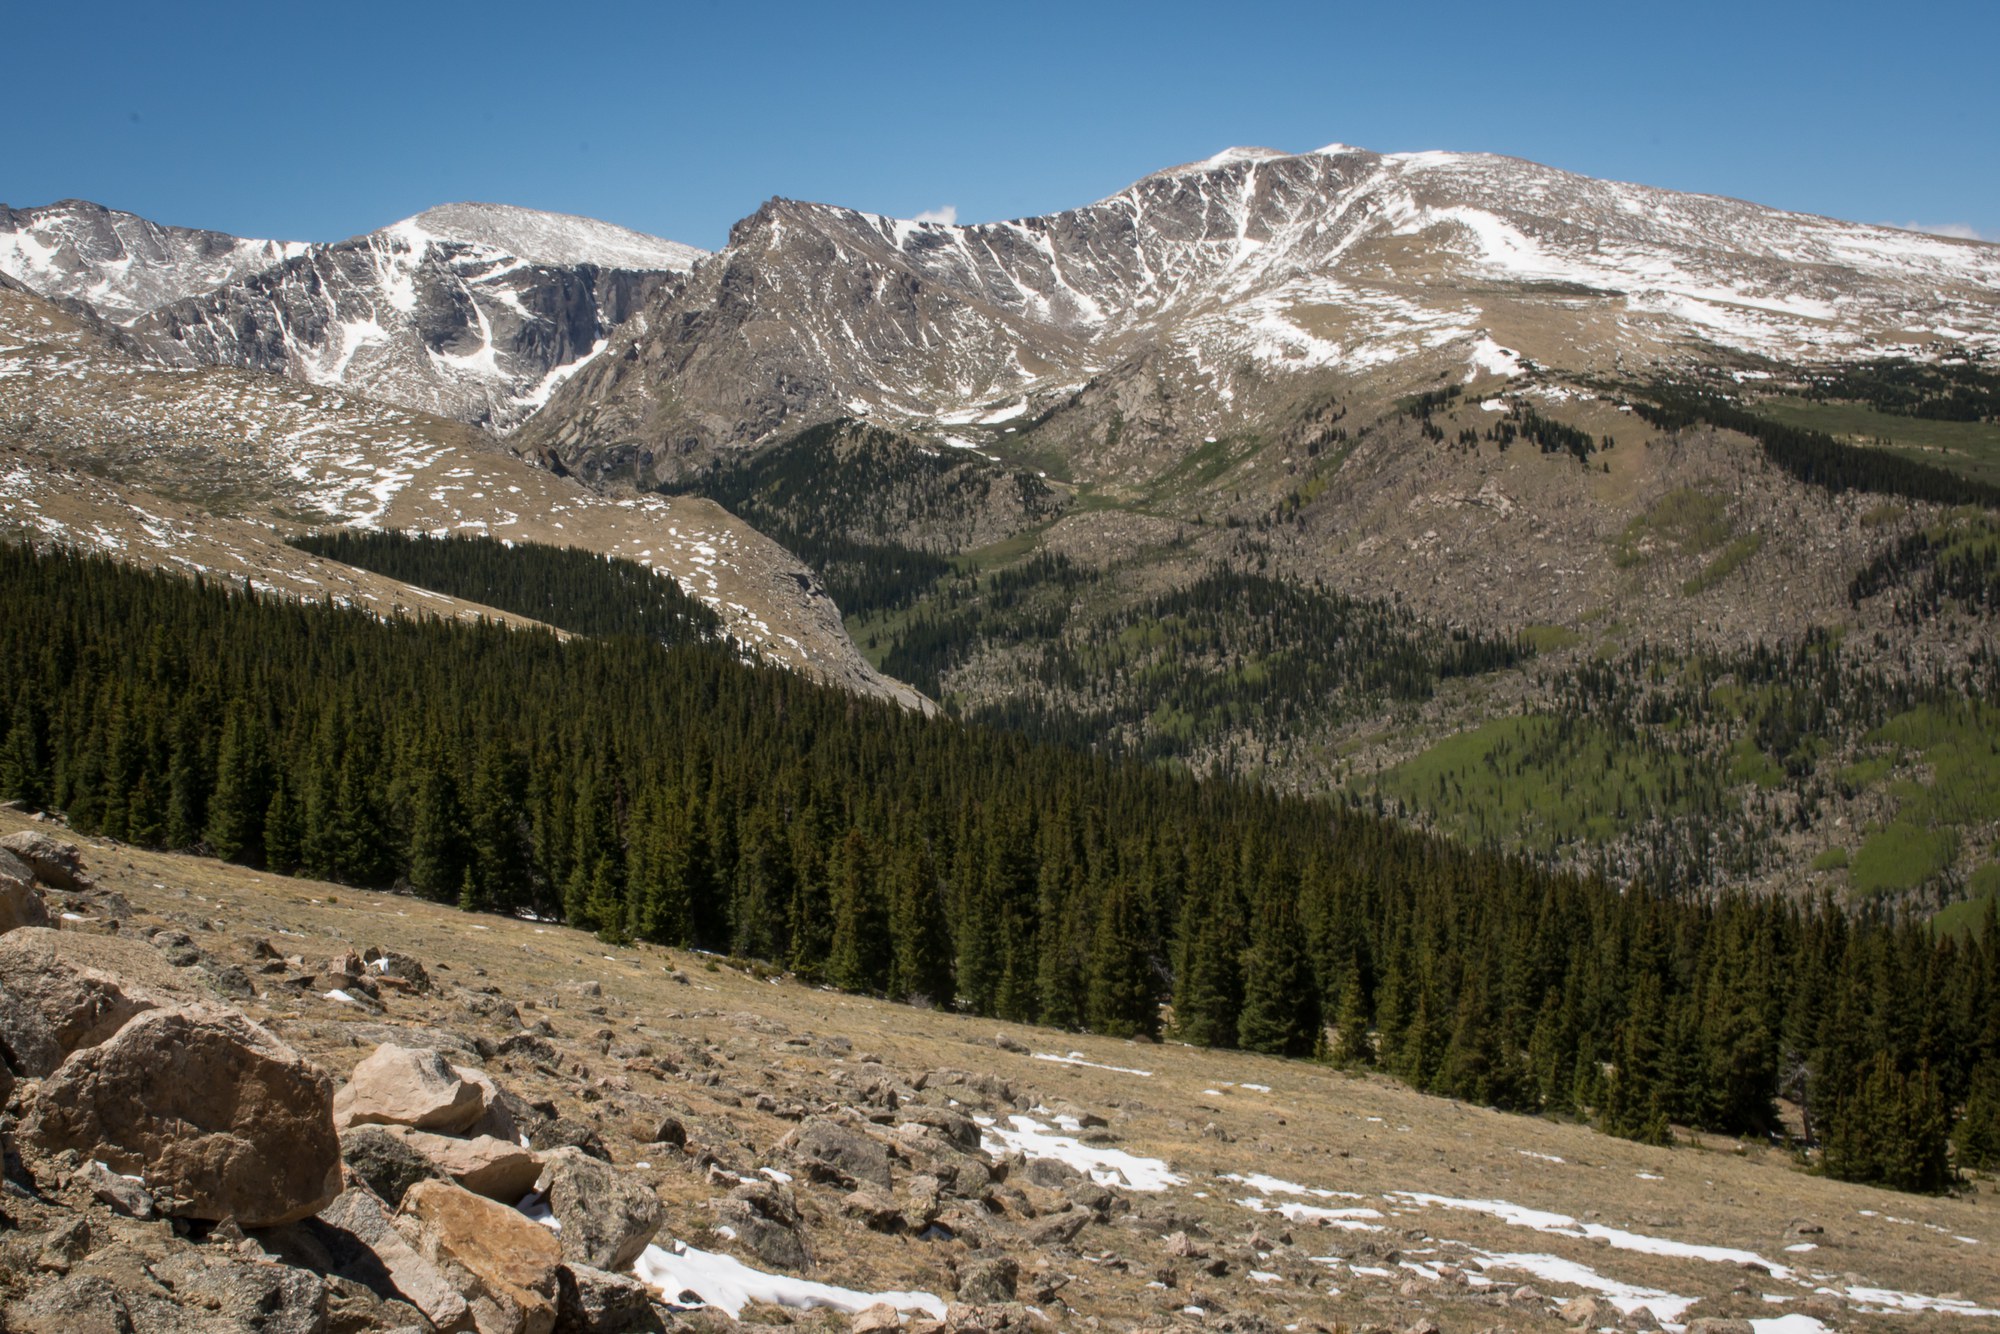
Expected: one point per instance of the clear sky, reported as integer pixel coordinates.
(318, 121)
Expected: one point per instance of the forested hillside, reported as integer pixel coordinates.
(675, 794)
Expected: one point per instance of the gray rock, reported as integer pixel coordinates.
(959, 1130)
(389, 1164)
(79, 1304)
(984, 1281)
(126, 1195)
(591, 1301)
(830, 1151)
(569, 1133)
(607, 1216)
(56, 864)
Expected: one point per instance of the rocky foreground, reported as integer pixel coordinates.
(226, 1109)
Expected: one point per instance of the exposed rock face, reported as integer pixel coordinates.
(500, 1261)
(120, 263)
(408, 1086)
(471, 311)
(1251, 265)
(220, 1118)
(607, 1217)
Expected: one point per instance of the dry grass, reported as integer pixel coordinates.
(737, 1037)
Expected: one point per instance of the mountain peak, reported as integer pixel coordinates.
(550, 238)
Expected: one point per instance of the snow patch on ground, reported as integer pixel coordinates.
(1076, 1058)
(690, 1277)
(1107, 1167)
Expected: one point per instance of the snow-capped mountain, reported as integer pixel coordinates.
(471, 311)
(1248, 265)
(121, 264)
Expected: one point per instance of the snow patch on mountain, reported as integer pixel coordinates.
(554, 238)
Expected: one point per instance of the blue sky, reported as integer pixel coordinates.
(316, 122)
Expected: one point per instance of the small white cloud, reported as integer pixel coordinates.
(1957, 230)
(948, 215)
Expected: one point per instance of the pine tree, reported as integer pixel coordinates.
(1120, 1000)
(921, 967)
(1280, 1013)
(1978, 1136)
(241, 802)
(860, 954)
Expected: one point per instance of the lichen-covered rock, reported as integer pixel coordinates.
(592, 1301)
(220, 1118)
(388, 1164)
(830, 1151)
(607, 1216)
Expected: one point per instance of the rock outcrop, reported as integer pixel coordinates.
(219, 1118)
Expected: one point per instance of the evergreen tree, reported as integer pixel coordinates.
(1120, 1000)
(1280, 1013)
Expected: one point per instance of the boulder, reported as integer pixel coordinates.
(221, 1118)
(1590, 1311)
(830, 1151)
(591, 1301)
(959, 1130)
(503, 1263)
(607, 1216)
(364, 1244)
(401, 969)
(56, 864)
(1709, 1324)
(388, 1164)
(20, 902)
(57, 997)
(485, 1165)
(987, 1280)
(408, 1086)
(764, 1215)
(566, 1132)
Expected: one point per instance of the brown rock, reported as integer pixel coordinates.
(407, 1086)
(485, 1166)
(56, 864)
(57, 993)
(360, 1220)
(20, 902)
(502, 1263)
(875, 1319)
(220, 1118)
(1710, 1324)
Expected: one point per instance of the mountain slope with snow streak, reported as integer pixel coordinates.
(435, 312)
(121, 264)
(207, 469)
(1247, 266)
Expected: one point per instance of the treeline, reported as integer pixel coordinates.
(1953, 564)
(846, 498)
(1960, 388)
(571, 589)
(1235, 653)
(674, 794)
(1816, 458)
